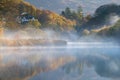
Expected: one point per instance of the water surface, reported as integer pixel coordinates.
(75, 61)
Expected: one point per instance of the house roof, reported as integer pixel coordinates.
(26, 15)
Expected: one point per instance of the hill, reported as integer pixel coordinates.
(104, 15)
(112, 31)
(10, 10)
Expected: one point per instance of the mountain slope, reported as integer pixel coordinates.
(113, 31)
(104, 15)
(11, 9)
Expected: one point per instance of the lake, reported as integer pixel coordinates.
(75, 61)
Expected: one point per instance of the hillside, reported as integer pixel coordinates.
(104, 15)
(112, 31)
(105, 32)
(11, 9)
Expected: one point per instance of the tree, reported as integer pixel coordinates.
(74, 15)
(79, 10)
(67, 10)
(68, 13)
(63, 13)
(79, 14)
(87, 17)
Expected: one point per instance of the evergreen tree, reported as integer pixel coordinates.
(68, 13)
(73, 15)
(63, 13)
(80, 13)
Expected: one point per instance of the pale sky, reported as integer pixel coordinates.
(89, 6)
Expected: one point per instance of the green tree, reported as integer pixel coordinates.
(68, 13)
(79, 14)
(63, 13)
(73, 15)
(79, 10)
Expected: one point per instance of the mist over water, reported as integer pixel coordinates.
(68, 50)
(74, 61)
(80, 58)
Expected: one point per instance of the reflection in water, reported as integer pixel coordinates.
(63, 63)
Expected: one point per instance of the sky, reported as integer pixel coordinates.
(89, 6)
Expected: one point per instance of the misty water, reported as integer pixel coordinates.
(75, 61)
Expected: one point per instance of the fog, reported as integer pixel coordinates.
(75, 61)
(80, 58)
(113, 19)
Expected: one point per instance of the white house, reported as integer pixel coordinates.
(25, 18)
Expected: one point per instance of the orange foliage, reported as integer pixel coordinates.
(45, 17)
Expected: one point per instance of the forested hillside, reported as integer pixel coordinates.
(10, 10)
(113, 31)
